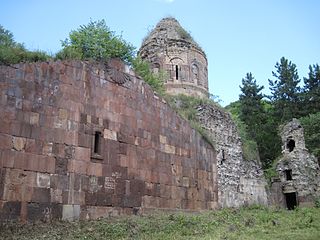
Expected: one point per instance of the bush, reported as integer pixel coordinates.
(155, 80)
(12, 52)
(95, 41)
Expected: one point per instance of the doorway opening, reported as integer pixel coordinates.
(288, 173)
(291, 200)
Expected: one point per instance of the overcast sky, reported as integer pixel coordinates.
(238, 36)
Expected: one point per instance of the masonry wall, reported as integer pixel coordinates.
(84, 140)
(240, 182)
(304, 179)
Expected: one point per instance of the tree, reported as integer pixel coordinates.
(6, 37)
(12, 52)
(311, 125)
(260, 124)
(95, 41)
(311, 90)
(251, 109)
(285, 90)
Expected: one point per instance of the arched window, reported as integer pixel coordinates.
(176, 64)
(195, 73)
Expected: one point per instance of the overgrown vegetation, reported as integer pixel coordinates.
(246, 223)
(186, 106)
(249, 145)
(311, 125)
(12, 52)
(155, 80)
(95, 41)
(262, 115)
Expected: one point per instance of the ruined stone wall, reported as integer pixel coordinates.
(297, 169)
(82, 140)
(240, 182)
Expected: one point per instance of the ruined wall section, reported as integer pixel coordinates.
(298, 170)
(83, 140)
(240, 182)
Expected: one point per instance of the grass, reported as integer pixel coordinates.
(245, 223)
(186, 106)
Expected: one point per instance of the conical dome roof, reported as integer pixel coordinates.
(169, 29)
(170, 48)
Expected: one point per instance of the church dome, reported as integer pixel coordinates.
(171, 48)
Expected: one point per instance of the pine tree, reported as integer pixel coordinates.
(311, 90)
(285, 90)
(251, 109)
(260, 124)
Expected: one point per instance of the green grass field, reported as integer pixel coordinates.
(246, 223)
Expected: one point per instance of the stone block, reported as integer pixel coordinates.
(31, 146)
(34, 118)
(41, 195)
(25, 130)
(56, 195)
(84, 140)
(43, 180)
(91, 198)
(82, 153)
(61, 165)
(8, 158)
(169, 149)
(44, 212)
(47, 148)
(5, 141)
(94, 169)
(163, 139)
(77, 166)
(63, 114)
(10, 211)
(20, 160)
(19, 143)
(70, 212)
(104, 199)
(109, 134)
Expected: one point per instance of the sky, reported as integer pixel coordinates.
(238, 36)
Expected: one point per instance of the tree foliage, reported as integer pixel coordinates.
(261, 127)
(285, 90)
(260, 118)
(251, 109)
(12, 52)
(155, 80)
(311, 125)
(311, 90)
(97, 42)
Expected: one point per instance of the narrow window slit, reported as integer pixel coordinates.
(177, 72)
(97, 143)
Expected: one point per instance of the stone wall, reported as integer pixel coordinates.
(297, 169)
(240, 182)
(84, 140)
